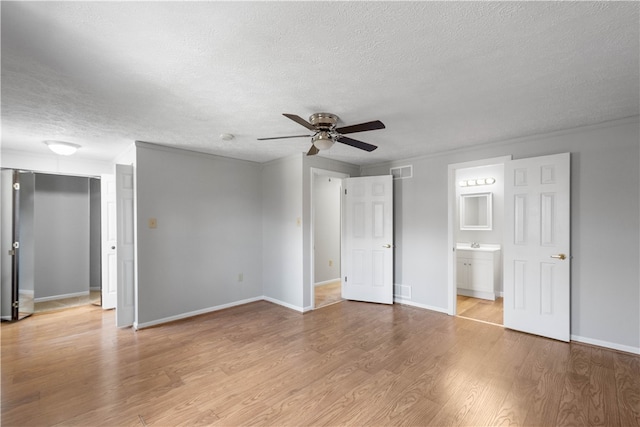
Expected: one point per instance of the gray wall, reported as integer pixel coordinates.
(209, 230)
(282, 239)
(605, 162)
(61, 229)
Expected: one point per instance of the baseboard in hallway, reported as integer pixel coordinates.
(43, 306)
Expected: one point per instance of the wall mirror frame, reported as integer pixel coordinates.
(476, 211)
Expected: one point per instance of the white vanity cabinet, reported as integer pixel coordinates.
(478, 272)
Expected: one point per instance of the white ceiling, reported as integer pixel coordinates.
(440, 75)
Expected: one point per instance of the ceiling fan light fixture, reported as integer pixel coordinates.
(323, 140)
(62, 148)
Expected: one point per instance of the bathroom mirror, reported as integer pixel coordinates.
(475, 211)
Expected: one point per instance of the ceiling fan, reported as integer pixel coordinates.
(325, 132)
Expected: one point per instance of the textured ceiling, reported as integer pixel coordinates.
(440, 75)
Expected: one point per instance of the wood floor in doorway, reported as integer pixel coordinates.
(481, 309)
(328, 294)
(59, 304)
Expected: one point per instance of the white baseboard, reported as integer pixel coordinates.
(416, 304)
(137, 325)
(63, 296)
(326, 282)
(477, 294)
(286, 304)
(606, 344)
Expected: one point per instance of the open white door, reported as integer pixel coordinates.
(367, 255)
(536, 246)
(109, 240)
(125, 307)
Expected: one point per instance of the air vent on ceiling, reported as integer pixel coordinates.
(402, 172)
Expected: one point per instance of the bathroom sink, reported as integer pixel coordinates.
(483, 247)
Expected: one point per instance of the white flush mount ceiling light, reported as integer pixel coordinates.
(62, 148)
(323, 140)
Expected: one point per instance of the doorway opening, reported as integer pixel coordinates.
(476, 209)
(326, 235)
(55, 223)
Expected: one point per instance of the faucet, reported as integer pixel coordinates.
(475, 245)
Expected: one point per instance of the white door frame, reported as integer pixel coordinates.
(316, 172)
(451, 243)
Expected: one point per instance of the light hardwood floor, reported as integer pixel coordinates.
(327, 294)
(481, 309)
(347, 364)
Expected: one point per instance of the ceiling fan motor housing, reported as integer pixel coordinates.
(324, 121)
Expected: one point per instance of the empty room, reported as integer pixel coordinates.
(320, 213)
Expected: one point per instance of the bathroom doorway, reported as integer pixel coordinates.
(327, 236)
(476, 209)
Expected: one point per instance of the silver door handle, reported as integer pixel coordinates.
(559, 256)
(386, 246)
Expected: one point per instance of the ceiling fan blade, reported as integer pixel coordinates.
(300, 121)
(374, 125)
(355, 143)
(313, 151)
(284, 137)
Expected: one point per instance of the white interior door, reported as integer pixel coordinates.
(109, 240)
(125, 304)
(367, 264)
(536, 246)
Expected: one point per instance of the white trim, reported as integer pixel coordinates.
(8, 318)
(63, 296)
(286, 304)
(606, 344)
(418, 305)
(491, 296)
(137, 325)
(326, 282)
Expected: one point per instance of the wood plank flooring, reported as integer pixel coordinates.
(349, 363)
(481, 309)
(327, 294)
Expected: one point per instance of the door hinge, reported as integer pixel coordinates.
(345, 278)
(12, 252)
(345, 191)
(16, 186)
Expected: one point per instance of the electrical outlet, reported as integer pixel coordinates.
(330, 263)
(298, 222)
(153, 223)
(240, 277)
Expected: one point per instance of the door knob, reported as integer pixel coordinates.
(386, 246)
(113, 247)
(559, 256)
